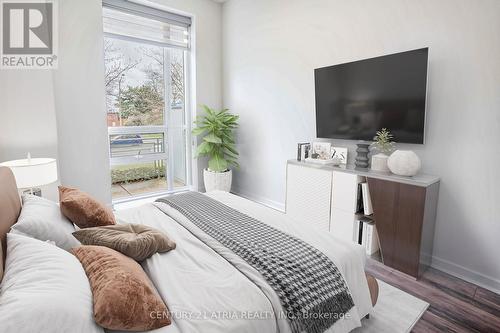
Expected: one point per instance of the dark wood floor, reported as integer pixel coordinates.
(455, 305)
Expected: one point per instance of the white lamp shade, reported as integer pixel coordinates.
(33, 172)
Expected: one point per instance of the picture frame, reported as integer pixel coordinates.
(321, 150)
(303, 151)
(340, 153)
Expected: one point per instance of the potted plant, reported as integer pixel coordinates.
(384, 145)
(216, 130)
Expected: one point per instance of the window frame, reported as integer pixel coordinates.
(167, 128)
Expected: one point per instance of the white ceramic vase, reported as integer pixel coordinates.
(404, 163)
(379, 162)
(217, 181)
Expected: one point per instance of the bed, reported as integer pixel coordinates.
(206, 292)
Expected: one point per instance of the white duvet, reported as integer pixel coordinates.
(205, 293)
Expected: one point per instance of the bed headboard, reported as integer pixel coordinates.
(10, 207)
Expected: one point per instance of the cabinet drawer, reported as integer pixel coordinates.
(342, 225)
(345, 191)
(308, 195)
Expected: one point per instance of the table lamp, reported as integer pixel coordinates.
(33, 172)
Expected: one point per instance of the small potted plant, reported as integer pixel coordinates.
(217, 142)
(384, 145)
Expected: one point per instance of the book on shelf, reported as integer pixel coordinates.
(367, 202)
(365, 234)
(359, 201)
(370, 238)
(360, 232)
(356, 232)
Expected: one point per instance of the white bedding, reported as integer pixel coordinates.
(205, 293)
(44, 290)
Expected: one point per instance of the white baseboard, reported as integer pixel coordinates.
(466, 274)
(264, 201)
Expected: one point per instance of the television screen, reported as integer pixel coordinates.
(356, 99)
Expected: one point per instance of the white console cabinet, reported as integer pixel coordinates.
(404, 209)
(325, 198)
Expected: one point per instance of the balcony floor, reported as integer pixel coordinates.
(124, 190)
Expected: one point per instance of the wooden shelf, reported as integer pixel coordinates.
(377, 256)
(364, 218)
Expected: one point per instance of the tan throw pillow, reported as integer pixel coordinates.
(124, 297)
(136, 241)
(83, 210)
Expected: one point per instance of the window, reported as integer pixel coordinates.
(146, 53)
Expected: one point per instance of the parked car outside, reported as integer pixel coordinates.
(127, 139)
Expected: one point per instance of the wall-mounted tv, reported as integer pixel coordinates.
(356, 99)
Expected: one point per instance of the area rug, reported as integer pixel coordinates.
(395, 311)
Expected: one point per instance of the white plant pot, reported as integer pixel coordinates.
(379, 162)
(217, 181)
(404, 163)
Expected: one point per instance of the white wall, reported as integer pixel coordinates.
(270, 48)
(27, 117)
(79, 99)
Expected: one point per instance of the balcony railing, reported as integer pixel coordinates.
(129, 144)
(148, 159)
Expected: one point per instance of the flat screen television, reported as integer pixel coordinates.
(356, 99)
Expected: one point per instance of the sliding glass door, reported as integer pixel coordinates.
(146, 65)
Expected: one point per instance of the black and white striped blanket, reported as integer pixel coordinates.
(311, 289)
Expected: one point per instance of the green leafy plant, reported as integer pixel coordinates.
(216, 129)
(383, 141)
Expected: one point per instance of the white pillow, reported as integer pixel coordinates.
(44, 289)
(42, 219)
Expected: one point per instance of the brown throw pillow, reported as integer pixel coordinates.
(136, 241)
(83, 210)
(124, 297)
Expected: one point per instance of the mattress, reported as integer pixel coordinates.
(206, 293)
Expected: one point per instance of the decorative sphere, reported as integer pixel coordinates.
(404, 163)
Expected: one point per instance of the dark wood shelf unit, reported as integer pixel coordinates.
(405, 218)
